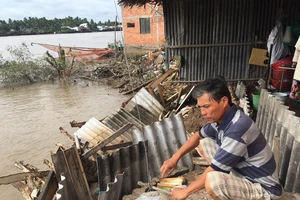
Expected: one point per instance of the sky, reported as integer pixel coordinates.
(98, 10)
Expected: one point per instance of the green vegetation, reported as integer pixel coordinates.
(63, 68)
(34, 25)
(22, 68)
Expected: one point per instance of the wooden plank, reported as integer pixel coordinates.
(75, 184)
(161, 78)
(179, 95)
(76, 124)
(150, 90)
(116, 146)
(50, 187)
(5, 180)
(161, 96)
(64, 132)
(137, 88)
(99, 146)
(185, 98)
(77, 173)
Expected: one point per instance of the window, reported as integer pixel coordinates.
(144, 25)
(130, 25)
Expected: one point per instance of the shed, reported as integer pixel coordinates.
(216, 37)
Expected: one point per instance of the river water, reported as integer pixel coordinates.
(31, 115)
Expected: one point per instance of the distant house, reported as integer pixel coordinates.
(100, 28)
(143, 26)
(82, 27)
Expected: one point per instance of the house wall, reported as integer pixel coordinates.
(133, 37)
(224, 26)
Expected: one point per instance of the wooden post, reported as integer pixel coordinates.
(50, 187)
(161, 96)
(64, 132)
(107, 141)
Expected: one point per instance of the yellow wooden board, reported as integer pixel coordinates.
(259, 57)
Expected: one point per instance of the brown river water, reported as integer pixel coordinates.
(31, 115)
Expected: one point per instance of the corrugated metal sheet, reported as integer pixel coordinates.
(113, 191)
(95, 131)
(194, 22)
(144, 107)
(274, 119)
(164, 139)
(62, 191)
(130, 160)
(120, 118)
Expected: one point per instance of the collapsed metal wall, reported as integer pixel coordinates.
(274, 119)
(194, 22)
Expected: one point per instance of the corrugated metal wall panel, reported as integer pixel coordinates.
(274, 119)
(120, 118)
(164, 139)
(193, 22)
(130, 160)
(113, 190)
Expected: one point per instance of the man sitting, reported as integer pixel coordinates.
(242, 165)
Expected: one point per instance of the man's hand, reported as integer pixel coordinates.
(168, 167)
(179, 193)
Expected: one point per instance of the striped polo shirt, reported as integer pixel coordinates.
(243, 149)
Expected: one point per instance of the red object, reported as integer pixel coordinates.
(277, 74)
(286, 84)
(283, 62)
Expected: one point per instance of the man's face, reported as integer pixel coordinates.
(211, 110)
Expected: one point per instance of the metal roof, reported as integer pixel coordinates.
(130, 160)
(95, 131)
(120, 118)
(113, 191)
(164, 139)
(144, 107)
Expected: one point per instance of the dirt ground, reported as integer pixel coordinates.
(191, 176)
(193, 120)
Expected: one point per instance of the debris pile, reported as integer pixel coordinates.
(110, 156)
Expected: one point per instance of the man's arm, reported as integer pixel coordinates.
(199, 184)
(169, 165)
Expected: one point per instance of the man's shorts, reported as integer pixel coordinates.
(230, 186)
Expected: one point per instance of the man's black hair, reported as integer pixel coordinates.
(215, 87)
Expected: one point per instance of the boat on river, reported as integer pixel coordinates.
(81, 54)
